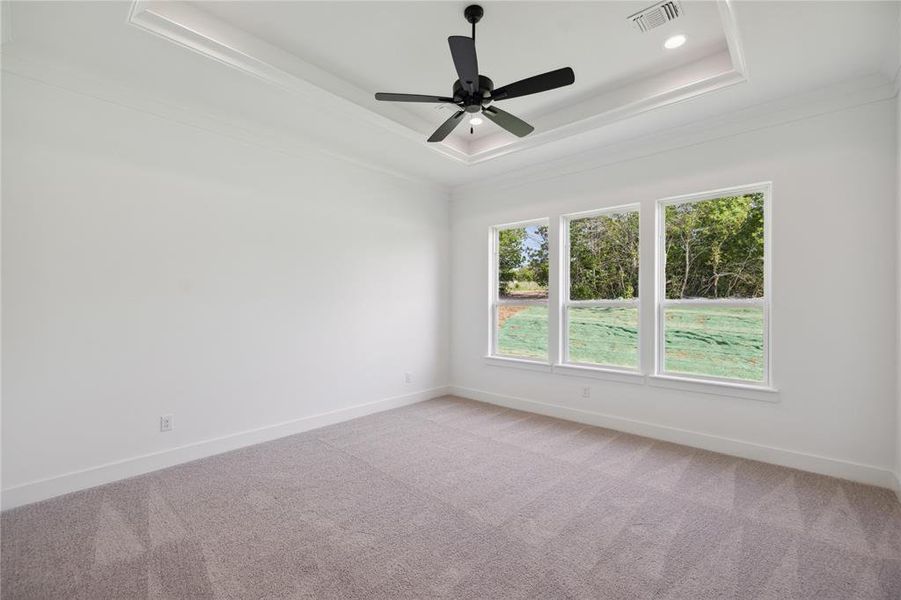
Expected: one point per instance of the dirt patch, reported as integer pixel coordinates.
(525, 295)
(504, 312)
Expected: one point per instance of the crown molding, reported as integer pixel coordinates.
(849, 94)
(200, 32)
(208, 36)
(40, 71)
(733, 39)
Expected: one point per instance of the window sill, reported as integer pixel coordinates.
(719, 388)
(518, 363)
(607, 373)
(671, 382)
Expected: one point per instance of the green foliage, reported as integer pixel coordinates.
(539, 263)
(510, 257)
(603, 262)
(714, 248)
(522, 256)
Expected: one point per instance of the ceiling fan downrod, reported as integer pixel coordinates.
(473, 14)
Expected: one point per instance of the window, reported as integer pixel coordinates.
(520, 296)
(600, 295)
(713, 284)
(706, 319)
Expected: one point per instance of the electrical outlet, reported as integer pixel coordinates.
(408, 377)
(586, 392)
(167, 422)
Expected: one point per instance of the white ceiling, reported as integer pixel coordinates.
(402, 46)
(324, 59)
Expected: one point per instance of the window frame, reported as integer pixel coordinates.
(495, 301)
(765, 302)
(566, 303)
(652, 280)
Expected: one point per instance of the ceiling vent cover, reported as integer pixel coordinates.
(657, 15)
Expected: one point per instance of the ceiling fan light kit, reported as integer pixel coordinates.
(474, 92)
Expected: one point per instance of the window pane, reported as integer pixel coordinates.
(603, 257)
(715, 341)
(714, 248)
(522, 269)
(522, 331)
(604, 336)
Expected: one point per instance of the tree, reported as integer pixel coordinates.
(539, 261)
(604, 254)
(714, 248)
(509, 257)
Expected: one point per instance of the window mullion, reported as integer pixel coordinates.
(647, 259)
(555, 285)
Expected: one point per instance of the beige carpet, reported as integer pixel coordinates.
(455, 499)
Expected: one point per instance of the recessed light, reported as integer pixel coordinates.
(674, 42)
(475, 121)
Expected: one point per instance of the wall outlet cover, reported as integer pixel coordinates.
(167, 422)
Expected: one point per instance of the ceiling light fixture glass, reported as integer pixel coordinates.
(674, 42)
(476, 121)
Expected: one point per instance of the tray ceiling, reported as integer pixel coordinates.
(349, 50)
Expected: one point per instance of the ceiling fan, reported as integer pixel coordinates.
(473, 92)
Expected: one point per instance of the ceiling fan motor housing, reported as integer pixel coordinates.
(473, 13)
(473, 103)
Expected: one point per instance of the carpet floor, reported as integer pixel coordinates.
(456, 499)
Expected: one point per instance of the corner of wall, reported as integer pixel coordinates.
(898, 268)
(897, 65)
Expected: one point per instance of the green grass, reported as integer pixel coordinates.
(606, 336)
(524, 334)
(712, 341)
(719, 342)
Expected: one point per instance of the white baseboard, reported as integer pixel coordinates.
(43, 489)
(897, 478)
(779, 456)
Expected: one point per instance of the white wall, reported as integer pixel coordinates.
(896, 64)
(834, 179)
(898, 295)
(153, 268)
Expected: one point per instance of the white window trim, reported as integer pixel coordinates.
(518, 363)
(566, 303)
(592, 371)
(650, 334)
(494, 301)
(660, 373)
(718, 388)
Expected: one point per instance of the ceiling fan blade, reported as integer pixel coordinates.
(386, 97)
(514, 125)
(448, 126)
(538, 83)
(463, 51)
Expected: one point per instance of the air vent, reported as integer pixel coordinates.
(656, 15)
